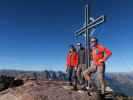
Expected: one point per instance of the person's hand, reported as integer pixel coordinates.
(66, 69)
(101, 61)
(75, 68)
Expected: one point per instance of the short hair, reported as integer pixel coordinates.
(72, 46)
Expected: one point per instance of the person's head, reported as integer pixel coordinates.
(72, 48)
(93, 41)
(78, 45)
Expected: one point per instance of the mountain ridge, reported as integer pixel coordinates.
(119, 82)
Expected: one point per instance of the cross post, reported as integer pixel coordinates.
(87, 32)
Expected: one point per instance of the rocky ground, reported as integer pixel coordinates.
(47, 90)
(41, 90)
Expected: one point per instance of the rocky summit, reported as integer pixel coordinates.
(47, 90)
(41, 90)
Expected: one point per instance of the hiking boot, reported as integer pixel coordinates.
(90, 93)
(75, 88)
(70, 84)
(83, 87)
(81, 91)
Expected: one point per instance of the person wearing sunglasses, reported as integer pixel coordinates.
(99, 54)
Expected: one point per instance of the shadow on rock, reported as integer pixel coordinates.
(9, 82)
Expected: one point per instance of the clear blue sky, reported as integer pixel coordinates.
(35, 34)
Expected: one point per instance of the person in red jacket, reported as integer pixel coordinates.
(72, 63)
(99, 54)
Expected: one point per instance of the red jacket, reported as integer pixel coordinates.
(72, 59)
(99, 52)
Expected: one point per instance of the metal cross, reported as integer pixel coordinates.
(87, 29)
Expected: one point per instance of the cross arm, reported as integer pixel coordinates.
(93, 24)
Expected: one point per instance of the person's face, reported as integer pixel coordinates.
(78, 46)
(93, 43)
(71, 50)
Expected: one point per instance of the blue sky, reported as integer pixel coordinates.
(35, 34)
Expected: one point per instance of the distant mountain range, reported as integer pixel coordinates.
(119, 82)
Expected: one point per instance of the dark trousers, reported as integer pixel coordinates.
(72, 78)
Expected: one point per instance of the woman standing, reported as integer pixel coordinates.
(72, 63)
